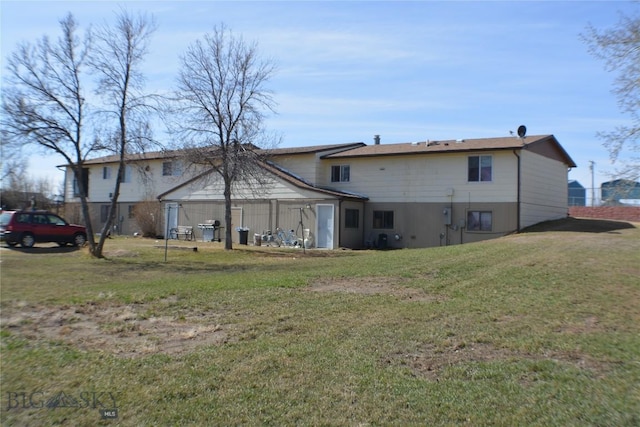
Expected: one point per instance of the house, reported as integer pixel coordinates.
(577, 194)
(354, 195)
(145, 176)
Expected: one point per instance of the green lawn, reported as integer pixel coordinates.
(540, 328)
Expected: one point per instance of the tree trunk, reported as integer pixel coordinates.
(228, 244)
(112, 210)
(84, 206)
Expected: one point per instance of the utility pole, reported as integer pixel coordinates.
(593, 185)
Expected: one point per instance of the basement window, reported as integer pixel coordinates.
(383, 219)
(479, 221)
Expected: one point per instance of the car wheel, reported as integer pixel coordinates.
(79, 240)
(27, 240)
(12, 244)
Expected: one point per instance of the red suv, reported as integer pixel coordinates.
(30, 227)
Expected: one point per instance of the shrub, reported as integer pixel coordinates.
(148, 215)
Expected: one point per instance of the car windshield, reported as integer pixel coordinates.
(4, 218)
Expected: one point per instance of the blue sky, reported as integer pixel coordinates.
(408, 71)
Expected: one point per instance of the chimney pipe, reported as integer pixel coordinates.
(376, 139)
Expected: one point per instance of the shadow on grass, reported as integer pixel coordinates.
(40, 250)
(583, 225)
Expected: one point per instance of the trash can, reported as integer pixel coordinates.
(257, 240)
(382, 241)
(244, 235)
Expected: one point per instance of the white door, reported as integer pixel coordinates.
(170, 218)
(325, 226)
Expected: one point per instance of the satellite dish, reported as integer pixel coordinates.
(522, 131)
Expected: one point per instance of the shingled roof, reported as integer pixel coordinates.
(313, 148)
(173, 154)
(534, 143)
(282, 174)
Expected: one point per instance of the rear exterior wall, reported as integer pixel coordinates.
(544, 193)
(420, 225)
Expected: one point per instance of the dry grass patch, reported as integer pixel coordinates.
(124, 330)
(431, 361)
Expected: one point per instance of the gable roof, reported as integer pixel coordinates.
(282, 174)
(301, 183)
(535, 143)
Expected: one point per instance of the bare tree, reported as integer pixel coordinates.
(619, 48)
(12, 161)
(118, 59)
(43, 102)
(219, 109)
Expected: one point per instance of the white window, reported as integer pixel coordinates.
(106, 172)
(127, 174)
(173, 168)
(340, 173)
(480, 169)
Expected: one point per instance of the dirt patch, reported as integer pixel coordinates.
(374, 286)
(120, 253)
(124, 330)
(430, 362)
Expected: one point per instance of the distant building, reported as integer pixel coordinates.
(577, 194)
(613, 192)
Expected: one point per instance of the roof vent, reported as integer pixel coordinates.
(376, 139)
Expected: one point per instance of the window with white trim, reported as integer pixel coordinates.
(127, 174)
(480, 169)
(172, 168)
(106, 172)
(340, 173)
